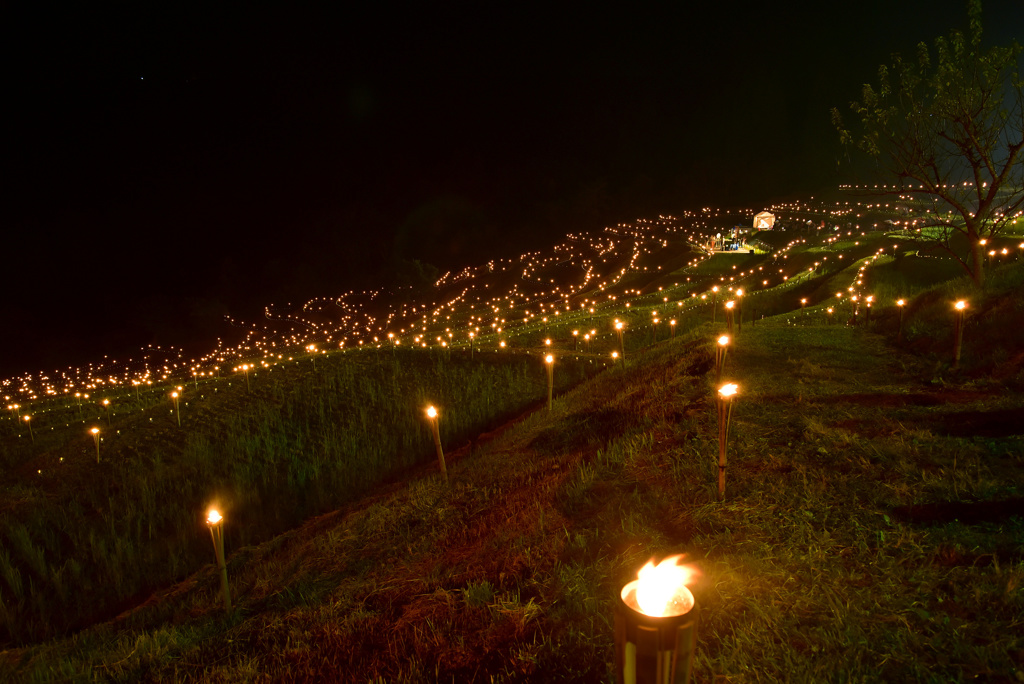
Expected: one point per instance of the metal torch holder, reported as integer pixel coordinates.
(653, 650)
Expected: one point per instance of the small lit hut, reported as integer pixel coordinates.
(764, 221)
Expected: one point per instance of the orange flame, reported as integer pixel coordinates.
(660, 590)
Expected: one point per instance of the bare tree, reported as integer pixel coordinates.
(949, 128)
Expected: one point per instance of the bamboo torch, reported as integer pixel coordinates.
(725, 395)
(432, 417)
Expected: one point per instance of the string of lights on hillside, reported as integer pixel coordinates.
(579, 275)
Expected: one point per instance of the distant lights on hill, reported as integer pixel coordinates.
(576, 277)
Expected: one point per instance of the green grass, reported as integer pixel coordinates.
(860, 538)
(81, 537)
(809, 570)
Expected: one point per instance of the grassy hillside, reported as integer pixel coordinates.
(86, 533)
(871, 530)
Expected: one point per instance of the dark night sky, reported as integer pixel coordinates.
(164, 165)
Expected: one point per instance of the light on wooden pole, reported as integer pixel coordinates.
(959, 307)
(622, 344)
(672, 327)
(899, 331)
(96, 438)
(432, 417)
(720, 350)
(739, 310)
(549, 361)
(215, 522)
(177, 413)
(28, 421)
(725, 395)
(714, 304)
(575, 341)
(729, 306)
(106, 406)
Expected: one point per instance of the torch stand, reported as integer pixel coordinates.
(551, 382)
(217, 533)
(724, 415)
(437, 446)
(959, 333)
(652, 650)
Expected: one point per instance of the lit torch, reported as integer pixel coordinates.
(215, 521)
(96, 438)
(432, 417)
(899, 333)
(549, 361)
(720, 350)
(739, 310)
(622, 345)
(177, 413)
(656, 625)
(725, 395)
(960, 307)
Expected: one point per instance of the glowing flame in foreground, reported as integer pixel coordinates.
(213, 517)
(661, 589)
(723, 340)
(961, 305)
(431, 412)
(727, 391)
